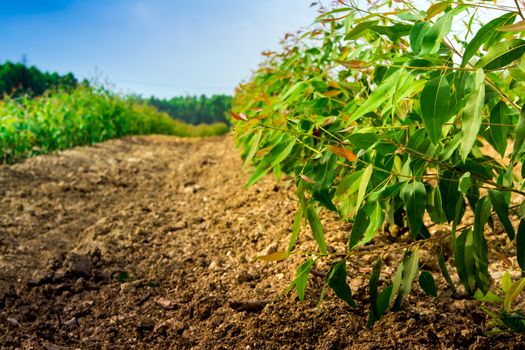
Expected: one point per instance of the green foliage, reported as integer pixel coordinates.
(301, 278)
(64, 119)
(506, 318)
(16, 79)
(336, 279)
(386, 114)
(194, 109)
(427, 283)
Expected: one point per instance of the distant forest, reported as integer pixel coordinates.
(195, 109)
(18, 79)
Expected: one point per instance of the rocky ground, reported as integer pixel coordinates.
(149, 242)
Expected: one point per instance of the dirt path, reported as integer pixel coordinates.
(148, 242)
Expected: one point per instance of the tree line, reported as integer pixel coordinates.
(195, 109)
(18, 79)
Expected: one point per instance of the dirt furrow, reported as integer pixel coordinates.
(149, 242)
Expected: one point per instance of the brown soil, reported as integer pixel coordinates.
(149, 242)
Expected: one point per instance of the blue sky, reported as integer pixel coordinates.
(159, 47)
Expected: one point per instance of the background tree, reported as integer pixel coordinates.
(195, 109)
(17, 79)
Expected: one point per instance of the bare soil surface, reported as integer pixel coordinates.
(149, 242)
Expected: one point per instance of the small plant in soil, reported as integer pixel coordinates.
(399, 119)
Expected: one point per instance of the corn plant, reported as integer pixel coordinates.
(64, 119)
(396, 118)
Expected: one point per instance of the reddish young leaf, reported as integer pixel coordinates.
(240, 116)
(307, 179)
(353, 63)
(516, 27)
(343, 152)
(329, 121)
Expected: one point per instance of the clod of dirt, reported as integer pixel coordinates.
(13, 321)
(269, 249)
(51, 346)
(244, 277)
(7, 291)
(192, 188)
(166, 304)
(249, 306)
(76, 265)
(71, 323)
(130, 286)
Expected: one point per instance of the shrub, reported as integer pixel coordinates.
(390, 114)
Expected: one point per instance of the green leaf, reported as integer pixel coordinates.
(444, 271)
(472, 115)
(484, 34)
(276, 155)
(518, 71)
(394, 32)
(487, 297)
(363, 185)
(450, 194)
(498, 130)
(363, 140)
(383, 300)
(372, 285)
(361, 223)
(520, 245)
(396, 282)
(436, 34)
(409, 271)
(506, 282)
(519, 136)
(324, 173)
(414, 197)
(349, 184)
(322, 195)
(481, 216)
(296, 228)
(450, 147)
(418, 32)
(514, 290)
(497, 198)
(280, 156)
(435, 205)
(295, 92)
(427, 283)
(465, 263)
(358, 30)
(260, 171)
(317, 229)
(434, 102)
(301, 278)
(336, 279)
(410, 268)
(501, 54)
(465, 182)
(377, 217)
(253, 148)
(381, 94)
(515, 322)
